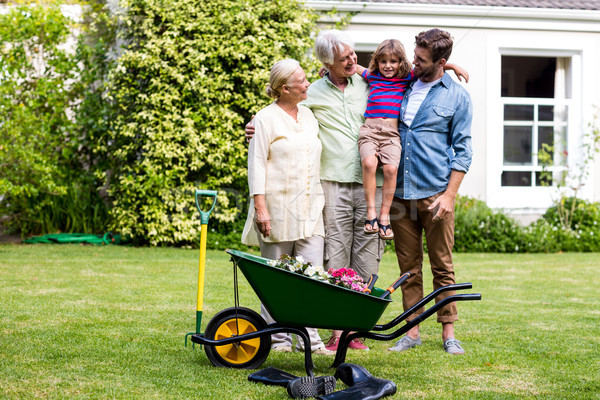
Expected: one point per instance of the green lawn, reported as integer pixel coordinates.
(109, 322)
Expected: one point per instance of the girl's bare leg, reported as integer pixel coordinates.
(389, 187)
(369, 167)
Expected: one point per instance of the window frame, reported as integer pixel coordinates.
(527, 198)
(559, 165)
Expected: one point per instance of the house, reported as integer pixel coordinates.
(533, 81)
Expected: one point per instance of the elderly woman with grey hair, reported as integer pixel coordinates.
(286, 206)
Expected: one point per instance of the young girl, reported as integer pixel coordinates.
(389, 75)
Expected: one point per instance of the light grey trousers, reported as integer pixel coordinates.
(311, 249)
(346, 243)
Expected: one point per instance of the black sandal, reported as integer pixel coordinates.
(373, 229)
(385, 228)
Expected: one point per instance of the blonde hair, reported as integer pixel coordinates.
(280, 74)
(391, 47)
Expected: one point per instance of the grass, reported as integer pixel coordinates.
(109, 323)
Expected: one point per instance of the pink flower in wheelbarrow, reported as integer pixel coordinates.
(346, 277)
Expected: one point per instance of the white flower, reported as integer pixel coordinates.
(295, 267)
(310, 271)
(321, 276)
(272, 263)
(300, 259)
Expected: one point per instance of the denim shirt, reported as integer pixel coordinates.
(437, 141)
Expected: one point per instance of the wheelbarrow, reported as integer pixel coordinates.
(239, 337)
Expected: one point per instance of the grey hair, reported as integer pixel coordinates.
(280, 74)
(331, 42)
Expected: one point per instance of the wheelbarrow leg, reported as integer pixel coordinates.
(308, 364)
(342, 350)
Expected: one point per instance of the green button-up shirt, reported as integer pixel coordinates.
(340, 115)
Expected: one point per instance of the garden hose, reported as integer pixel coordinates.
(86, 238)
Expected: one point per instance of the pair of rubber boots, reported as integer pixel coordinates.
(362, 385)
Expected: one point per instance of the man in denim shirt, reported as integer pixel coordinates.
(435, 130)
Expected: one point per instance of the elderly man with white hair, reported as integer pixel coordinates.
(338, 101)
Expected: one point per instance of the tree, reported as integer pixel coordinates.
(35, 130)
(51, 82)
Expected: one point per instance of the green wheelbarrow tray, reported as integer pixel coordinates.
(297, 301)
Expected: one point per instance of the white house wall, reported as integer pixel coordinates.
(481, 34)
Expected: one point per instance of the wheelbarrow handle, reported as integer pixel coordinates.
(205, 214)
(395, 285)
(371, 283)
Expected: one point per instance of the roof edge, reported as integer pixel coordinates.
(457, 10)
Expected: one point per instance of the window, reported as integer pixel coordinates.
(535, 99)
(364, 58)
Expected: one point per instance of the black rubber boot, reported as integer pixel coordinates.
(307, 386)
(352, 374)
(272, 376)
(297, 387)
(363, 385)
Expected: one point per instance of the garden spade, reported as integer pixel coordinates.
(204, 215)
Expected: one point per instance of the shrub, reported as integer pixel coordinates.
(585, 215)
(44, 186)
(584, 232)
(481, 229)
(191, 75)
(478, 228)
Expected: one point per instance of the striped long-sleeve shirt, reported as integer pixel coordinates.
(385, 94)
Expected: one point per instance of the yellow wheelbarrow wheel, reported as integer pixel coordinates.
(245, 354)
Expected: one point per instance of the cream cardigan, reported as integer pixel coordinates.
(283, 164)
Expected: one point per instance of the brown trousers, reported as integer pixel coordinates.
(409, 219)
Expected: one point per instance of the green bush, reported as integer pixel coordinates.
(226, 236)
(481, 229)
(585, 215)
(43, 181)
(191, 75)
(584, 232)
(478, 228)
